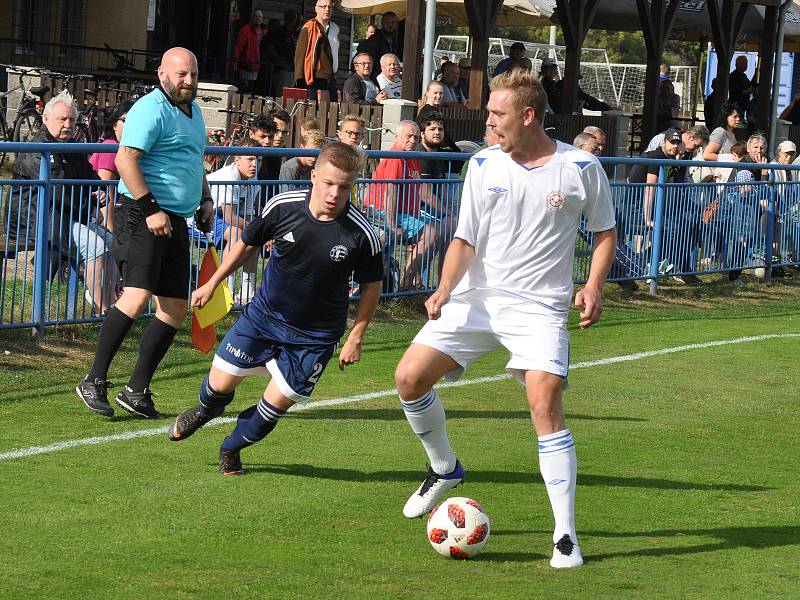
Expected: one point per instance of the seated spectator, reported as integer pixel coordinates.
(299, 168)
(103, 162)
(397, 206)
(757, 154)
(516, 52)
(262, 132)
(306, 125)
(738, 214)
(351, 130)
(723, 138)
(599, 135)
(360, 87)
(668, 104)
(681, 218)
(432, 103)
(785, 195)
(452, 93)
(586, 142)
(75, 219)
(691, 140)
(270, 167)
(235, 206)
(389, 79)
(432, 139)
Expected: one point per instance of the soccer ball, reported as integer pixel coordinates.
(458, 528)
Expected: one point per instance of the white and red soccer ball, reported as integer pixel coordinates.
(458, 528)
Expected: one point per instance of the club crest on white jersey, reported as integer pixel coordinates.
(555, 200)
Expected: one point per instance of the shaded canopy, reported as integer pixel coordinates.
(453, 12)
(691, 20)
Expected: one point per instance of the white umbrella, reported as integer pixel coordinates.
(452, 12)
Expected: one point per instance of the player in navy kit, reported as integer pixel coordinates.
(291, 328)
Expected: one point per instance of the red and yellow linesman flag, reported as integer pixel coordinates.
(204, 334)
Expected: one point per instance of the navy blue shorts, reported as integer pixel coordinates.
(258, 345)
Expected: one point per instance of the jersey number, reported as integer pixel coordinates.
(317, 372)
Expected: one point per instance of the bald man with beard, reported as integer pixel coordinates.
(162, 182)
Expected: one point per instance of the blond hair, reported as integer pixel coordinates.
(527, 90)
(353, 119)
(314, 137)
(342, 156)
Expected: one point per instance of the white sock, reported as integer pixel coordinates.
(426, 417)
(559, 467)
(248, 286)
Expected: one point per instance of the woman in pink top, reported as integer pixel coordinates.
(103, 162)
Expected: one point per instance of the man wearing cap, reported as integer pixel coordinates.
(681, 216)
(516, 52)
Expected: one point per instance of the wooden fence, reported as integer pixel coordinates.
(327, 113)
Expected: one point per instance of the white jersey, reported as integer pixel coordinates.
(523, 222)
(244, 196)
(393, 89)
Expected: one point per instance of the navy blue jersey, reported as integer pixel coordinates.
(306, 280)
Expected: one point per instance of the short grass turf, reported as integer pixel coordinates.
(687, 478)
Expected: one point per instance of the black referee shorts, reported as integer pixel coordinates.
(156, 263)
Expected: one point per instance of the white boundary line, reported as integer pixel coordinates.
(130, 435)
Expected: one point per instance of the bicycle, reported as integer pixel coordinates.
(29, 118)
(216, 137)
(275, 104)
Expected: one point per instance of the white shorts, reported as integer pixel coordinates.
(476, 322)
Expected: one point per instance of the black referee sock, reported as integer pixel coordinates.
(115, 327)
(155, 342)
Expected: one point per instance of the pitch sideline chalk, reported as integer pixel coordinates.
(130, 435)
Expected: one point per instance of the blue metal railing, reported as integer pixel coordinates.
(681, 235)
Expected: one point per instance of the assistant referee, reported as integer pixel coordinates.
(160, 162)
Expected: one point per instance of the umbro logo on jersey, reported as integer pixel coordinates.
(288, 237)
(498, 190)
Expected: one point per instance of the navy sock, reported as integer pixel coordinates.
(253, 424)
(156, 340)
(115, 327)
(212, 403)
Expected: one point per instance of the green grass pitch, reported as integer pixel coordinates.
(687, 484)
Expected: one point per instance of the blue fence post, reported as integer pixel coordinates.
(769, 228)
(42, 259)
(658, 228)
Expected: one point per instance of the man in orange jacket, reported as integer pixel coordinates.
(316, 54)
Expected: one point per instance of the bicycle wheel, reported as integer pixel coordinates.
(26, 126)
(3, 137)
(81, 133)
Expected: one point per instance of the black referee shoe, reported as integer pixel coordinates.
(138, 403)
(95, 396)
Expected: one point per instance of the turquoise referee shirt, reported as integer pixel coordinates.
(173, 144)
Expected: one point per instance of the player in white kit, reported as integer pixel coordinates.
(507, 281)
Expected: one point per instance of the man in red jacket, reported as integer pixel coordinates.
(246, 55)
